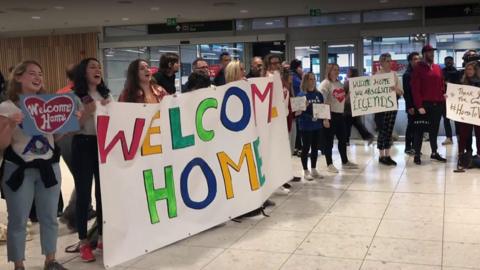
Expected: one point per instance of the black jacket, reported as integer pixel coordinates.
(451, 75)
(168, 83)
(407, 88)
(220, 79)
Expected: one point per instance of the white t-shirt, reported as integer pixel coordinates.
(89, 125)
(26, 146)
(334, 95)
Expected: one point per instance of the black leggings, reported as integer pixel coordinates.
(310, 142)
(85, 168)
(337, 128)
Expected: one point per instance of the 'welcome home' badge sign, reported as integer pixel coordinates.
(49, 114)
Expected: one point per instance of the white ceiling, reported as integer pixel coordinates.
(21, 16)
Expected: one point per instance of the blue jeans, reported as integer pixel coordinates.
(19, 204)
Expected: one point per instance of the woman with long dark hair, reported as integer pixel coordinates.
(139, 86)
(89, 87)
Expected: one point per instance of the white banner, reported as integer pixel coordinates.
(174, 169)
(372, 94)
(463, 103)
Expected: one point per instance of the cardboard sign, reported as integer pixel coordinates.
(373, 94)
(49, 114)
(463, 103)
(298, 104)
(321, 111)
(174, 169)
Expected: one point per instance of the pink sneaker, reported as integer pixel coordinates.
(86, 253)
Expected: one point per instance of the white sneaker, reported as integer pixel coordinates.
(447, 141)
(307, 176)
(315, 174)
(350, 165)
(332, 169)
(283, 191)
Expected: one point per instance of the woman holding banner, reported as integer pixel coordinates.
(334, 94)
(139, 86)
(30, 172)
(384, 140)
(89, 87)
(465, 130)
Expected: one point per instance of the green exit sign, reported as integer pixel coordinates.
(171, 21)
(315, 12)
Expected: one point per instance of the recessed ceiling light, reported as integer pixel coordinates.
(467, 32)
(26, 9)
(411, 13)
(243, 11)
(154, 8)
(224, 4)
(59, 7)
(269, 23)
(36, 17)
(125, 19)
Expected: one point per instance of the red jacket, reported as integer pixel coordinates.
(427, 84)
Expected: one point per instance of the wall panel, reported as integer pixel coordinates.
(54, 53)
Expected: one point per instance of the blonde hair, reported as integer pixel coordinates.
(233, 71)
(304, 84)
(14, 88)
(465, 79)
(329, 70)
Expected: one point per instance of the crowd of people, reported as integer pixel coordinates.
(31, 175)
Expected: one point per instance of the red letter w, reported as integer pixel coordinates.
(128, 154)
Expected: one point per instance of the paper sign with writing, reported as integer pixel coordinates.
(463, 103)
(298, 103)
(49, 114)
(174, 169)
(321, 111)
(373, 94)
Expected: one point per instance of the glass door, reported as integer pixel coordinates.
(342, 54)
(310, 57)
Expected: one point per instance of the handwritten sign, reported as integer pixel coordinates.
(321, 111)
(298, 103)
(463, 103)
(49, 114)
(373, 94)
(189, 163)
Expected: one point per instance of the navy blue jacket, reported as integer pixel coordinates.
(306, 121)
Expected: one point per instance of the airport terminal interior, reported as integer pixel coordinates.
(366, 216)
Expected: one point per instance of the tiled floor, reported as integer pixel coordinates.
(407, 217)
